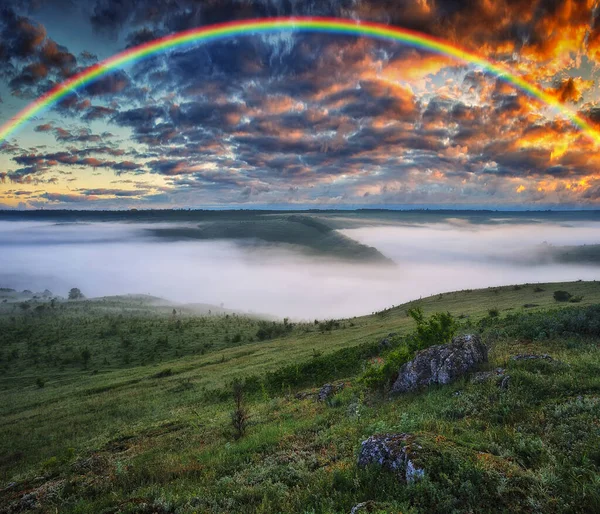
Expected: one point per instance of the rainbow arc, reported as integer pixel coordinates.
(295, 24)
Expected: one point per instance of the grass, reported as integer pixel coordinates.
(155, 435)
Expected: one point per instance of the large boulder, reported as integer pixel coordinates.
(441, 364)
(394, 452)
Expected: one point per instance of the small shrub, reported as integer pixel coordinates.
(493, 313)
(164, 373)
(239, 416)
(575, 299)
(538, 289)
(40, 382)
(562, 296)
(378, 375)
(440, 328)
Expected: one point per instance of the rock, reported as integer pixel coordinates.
(394, 452)
(530, 356)
(329, 390)
(326, 391)
(484, 376)
(505, 382)
(386, 342)
(303, 395)
(441, 364)
(9, 486)
(368, 506)
(28, 501)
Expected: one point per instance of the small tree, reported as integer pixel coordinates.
(562, 296)
(75, 294)
(239, 416)
(86, 355)
(438, 329)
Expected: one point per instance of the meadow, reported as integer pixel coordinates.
(123, 404)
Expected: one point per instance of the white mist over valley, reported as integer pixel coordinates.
(114, 258)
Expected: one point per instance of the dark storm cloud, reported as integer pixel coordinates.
(44, 161)
(96, 112)
(111, 83)
(28, 57)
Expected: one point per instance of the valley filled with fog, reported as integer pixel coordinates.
(111, 258)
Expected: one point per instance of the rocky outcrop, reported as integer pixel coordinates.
(386, 342)
(368, 506)
(328, 390)
(484, 376)
(441, 364)
(499, 375)
(394, 452)
(323, 394)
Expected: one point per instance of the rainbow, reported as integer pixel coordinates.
(270, 25)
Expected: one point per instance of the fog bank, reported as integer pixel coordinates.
(119, 258)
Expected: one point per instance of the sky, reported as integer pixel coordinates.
(300, 119)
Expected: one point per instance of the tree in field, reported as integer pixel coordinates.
(562, 296)
(239, 416)
(86, 355)
(75, 294)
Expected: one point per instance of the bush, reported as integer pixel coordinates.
(440, 328)
(562, 296)
(239, 416)
(536, 326)
(376, 376)
(75, 294)
(272, 330)
(493, 313)
(40, 382)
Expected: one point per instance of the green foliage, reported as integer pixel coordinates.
(439, 328)
(540, 326)
(142, 444)
(75, 294)
(377, 375)
(562, 296)
(493, 313)
(271, 330)
(86, 355)
(239, 416)
(316, 371)
(40, 382)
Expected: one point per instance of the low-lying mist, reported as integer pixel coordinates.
(119, 258)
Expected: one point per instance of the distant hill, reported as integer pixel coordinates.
(581, 254)
(310, 235)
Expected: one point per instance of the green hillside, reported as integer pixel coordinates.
(122, 405)
(309, 235)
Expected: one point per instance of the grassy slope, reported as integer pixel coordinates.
(165, 439)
